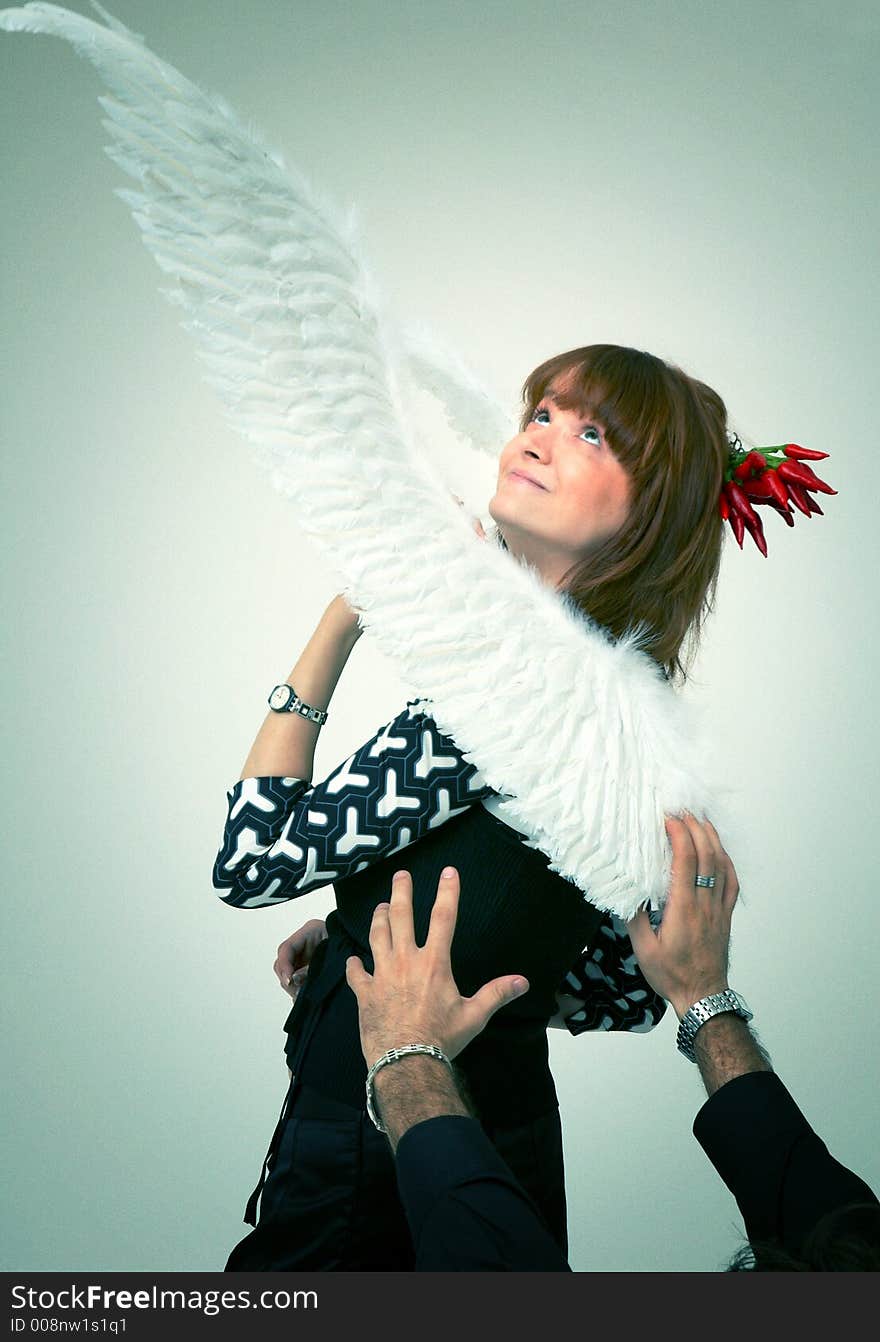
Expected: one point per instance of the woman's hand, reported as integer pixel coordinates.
(475, 521)
(294, 954)
(686, 958)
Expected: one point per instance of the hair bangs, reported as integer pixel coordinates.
(620, 389)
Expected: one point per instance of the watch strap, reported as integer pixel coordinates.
(716, 1004)
(296, 705)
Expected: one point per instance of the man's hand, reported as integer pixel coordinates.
(686, 958)
(292, 962)
(411, 996)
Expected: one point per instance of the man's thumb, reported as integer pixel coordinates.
(497, 994)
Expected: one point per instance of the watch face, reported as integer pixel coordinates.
(280, 697)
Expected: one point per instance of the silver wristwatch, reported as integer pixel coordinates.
(284, 699)
(707, 1007)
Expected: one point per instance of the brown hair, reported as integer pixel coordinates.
(658, 573)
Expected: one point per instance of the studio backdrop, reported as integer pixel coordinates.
(694, 179)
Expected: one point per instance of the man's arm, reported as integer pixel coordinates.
(726, 1048)
(465, 1209)
(786, 1183)
(413, 1090)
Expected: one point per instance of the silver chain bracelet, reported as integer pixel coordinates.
(394, 1055)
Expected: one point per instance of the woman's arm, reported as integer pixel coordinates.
(566, 1006)
(285, 744)
(605, 988)
(284, 838)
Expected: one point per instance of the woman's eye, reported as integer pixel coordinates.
(590, 434)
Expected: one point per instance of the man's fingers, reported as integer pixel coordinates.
(641, 934)
(400, 913)
(356, 976)
(705, 849)
(380, 932)
(493, 996)
(444, 913)
(684, 857)
(731, 885)
(729, 881)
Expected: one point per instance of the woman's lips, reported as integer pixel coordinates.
(526, 479)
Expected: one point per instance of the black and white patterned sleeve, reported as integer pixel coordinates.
(609, 983)
(284, 838)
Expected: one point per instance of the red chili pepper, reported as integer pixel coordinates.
(784, 513)
(803, 475)
(814, 507)
(759, 487)
(723, 506)
(737, 526)
(777, 489)
(756, 531)
(740, 502)
(803, 453)
(753, 463)
(799, 497)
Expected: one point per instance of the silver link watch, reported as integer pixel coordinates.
(284, 699)
(707, 1007)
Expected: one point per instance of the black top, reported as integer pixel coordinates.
(409, 798)
(467, 1213)
(515, 917)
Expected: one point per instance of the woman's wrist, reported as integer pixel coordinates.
(285, 743)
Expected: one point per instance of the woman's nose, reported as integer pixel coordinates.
(538, 442)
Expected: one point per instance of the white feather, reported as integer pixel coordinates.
(584, 734)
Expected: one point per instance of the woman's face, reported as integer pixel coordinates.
(561, 491)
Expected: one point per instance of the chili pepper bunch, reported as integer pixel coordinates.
(773, 476)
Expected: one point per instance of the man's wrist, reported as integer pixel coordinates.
(682, 1002)
(414, 1089)
(725, 1047)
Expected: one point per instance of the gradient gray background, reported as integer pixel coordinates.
(696, 179)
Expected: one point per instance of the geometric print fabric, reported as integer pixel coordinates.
(284, 837)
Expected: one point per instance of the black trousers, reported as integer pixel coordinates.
(330, 1201)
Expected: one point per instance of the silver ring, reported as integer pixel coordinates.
(707, 882)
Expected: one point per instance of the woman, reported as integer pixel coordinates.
(610, 493)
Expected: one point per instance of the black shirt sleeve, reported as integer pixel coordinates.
(780, 1172)
(466, 1211)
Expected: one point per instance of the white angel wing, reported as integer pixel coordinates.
(583, 734)
(471, 409)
